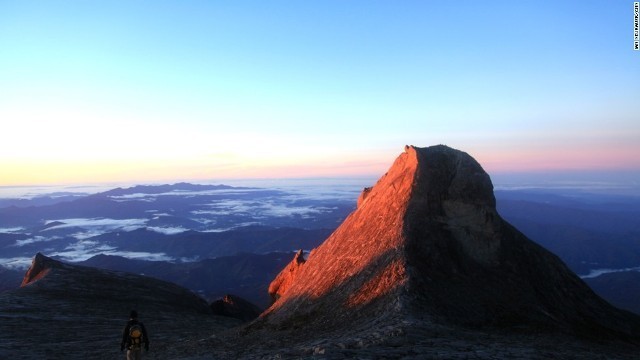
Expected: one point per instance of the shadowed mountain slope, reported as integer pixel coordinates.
(76, 312)
(622, 288)
(235, 307)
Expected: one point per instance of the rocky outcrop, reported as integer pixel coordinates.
(235, 307)
(40, 266)
(363, 196)
(285, 278)
(426, 246)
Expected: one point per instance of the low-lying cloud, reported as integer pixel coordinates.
(16, 263)
(11, 230)
(597, 272)
(35, 239)
(103, 223)
(184, 193)
(262, 209)
(168, 230)
(85, 249)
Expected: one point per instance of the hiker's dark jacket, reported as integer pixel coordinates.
(126, 342)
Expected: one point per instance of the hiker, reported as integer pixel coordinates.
(133, 337)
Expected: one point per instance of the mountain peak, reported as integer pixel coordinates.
(40, 266)
(453, 189)
(426, 243)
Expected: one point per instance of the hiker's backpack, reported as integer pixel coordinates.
(135, 335)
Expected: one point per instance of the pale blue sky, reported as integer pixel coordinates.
(135, 90)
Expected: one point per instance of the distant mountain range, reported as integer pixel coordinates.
(172, 222)
(592, 233)
(588, 232)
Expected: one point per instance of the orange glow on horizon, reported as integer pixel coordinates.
(263, 166)
(83, 172)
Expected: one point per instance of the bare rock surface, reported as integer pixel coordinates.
(285, 278)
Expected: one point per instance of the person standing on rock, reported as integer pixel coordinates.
(134, 337)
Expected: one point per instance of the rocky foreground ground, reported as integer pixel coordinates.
(75, 312)
(60, 332)
(402, 341)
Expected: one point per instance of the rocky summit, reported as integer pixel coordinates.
(426, 267)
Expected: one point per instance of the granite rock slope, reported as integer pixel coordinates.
(285, 278)
(425, 250)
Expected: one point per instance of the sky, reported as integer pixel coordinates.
(140, 91)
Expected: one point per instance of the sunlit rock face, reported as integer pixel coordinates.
(363, 259)
(285, 278)
(426, 244)
(40, 267)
